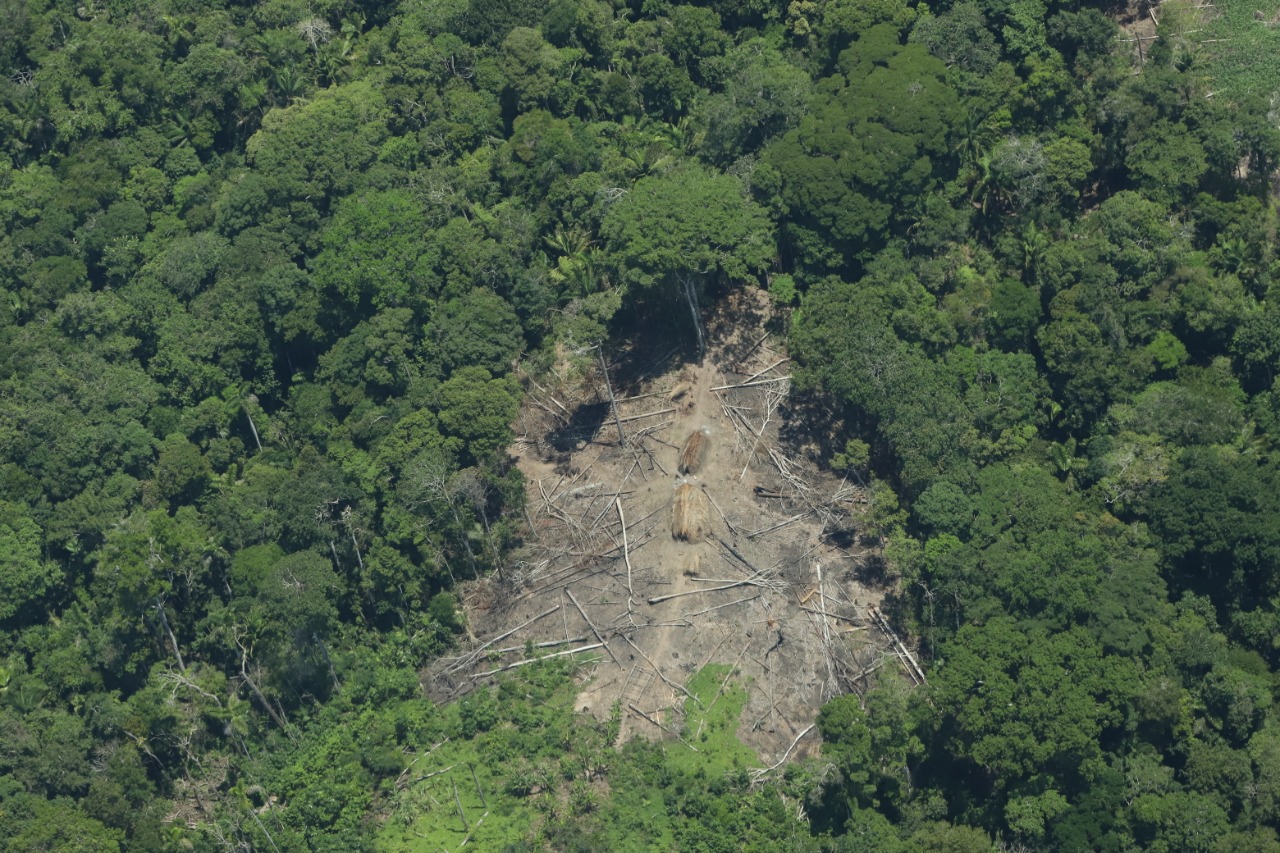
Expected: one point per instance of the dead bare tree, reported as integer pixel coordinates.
(613, 402)
(688, 285)
(428, 479)
(246, 678)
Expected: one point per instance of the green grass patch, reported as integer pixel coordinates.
(551, 777)
(711, 724)
(1239, 53)
(524, 744)
(690, 795)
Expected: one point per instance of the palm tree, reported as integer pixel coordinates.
(1034, 245)
(977, 138)
(277, 48)
(333, 61)
(176, 126)
(578, 261)
(288, 85)
(984, 190)
(34, 130)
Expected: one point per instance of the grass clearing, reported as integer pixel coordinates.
(520, 738)
(711, 724)
(654, 787)
(545, 772)
(1236, 43)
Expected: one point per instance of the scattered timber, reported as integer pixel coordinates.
(535, 660)
(904, 654)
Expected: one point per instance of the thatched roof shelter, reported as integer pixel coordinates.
(690, 514)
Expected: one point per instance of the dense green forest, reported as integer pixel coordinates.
(266, 274)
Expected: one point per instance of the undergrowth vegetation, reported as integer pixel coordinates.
(512, 768)
(1237, 46)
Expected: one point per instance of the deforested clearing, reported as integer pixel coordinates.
(673, 566)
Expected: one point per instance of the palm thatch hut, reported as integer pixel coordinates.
(695, 450)
(690, 515)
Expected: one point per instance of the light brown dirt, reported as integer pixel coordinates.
(793, 658)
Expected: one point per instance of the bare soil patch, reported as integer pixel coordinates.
(764, 586)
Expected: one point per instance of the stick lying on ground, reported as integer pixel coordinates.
(910, 664)
(792, 520)
(654, 666)
(661, 726)
(548, 644)
(661, 598)
(474, 655)
(535, 660)
(761, 773)
(626, 550)
(832, 615)
(592, 625)
(733, 528)
(747, 381)
(719, 606)
(630, 418)
(752, 384)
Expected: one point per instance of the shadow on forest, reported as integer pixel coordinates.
(659, 337)
(586, 420)
(810, 425)
(656, 338)
(643, 360)
(873, 572)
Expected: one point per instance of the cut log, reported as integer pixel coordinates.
(654, 414)
(536, 660)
